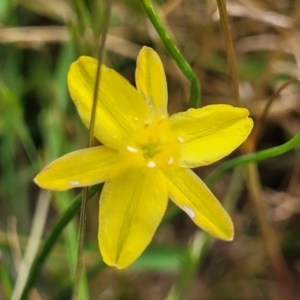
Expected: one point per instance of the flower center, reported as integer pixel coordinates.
(149, 150)
(153, 144)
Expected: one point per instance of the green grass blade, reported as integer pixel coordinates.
(5, 280)
(255, 157)
(195, 88)
(53, 237)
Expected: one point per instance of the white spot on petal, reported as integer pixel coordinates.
(180, 139)
(170, 160)
(149, 102)
(74, 183)
(151, 164)
(136, 119)
(132, 149)
(189, 211)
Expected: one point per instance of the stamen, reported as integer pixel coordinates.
(180, 139)
(132, 149)
(189, 211)
(170, 160)
(151, 164)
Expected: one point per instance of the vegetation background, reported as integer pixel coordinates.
(38, 123)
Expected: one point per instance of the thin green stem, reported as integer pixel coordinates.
(255, 157)
(83, 211)
(195, 88)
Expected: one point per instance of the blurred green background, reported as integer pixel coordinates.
(38, 123)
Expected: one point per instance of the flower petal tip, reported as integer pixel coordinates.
(226, 237)
(230, 239)
(229, 236)
(35, 180)
(230, 233)
(115, 264)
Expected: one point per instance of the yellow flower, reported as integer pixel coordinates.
(146, 156)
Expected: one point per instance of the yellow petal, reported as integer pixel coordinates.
(151, 80)
(80, 168)
(119, 104)
(193, 196)
(210, 133)
(131, 208)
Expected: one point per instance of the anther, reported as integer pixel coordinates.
(151, 164)
(170, 160)
(180, 139)
(131, 149)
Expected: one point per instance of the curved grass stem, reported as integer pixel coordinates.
(195, 88)
(253, 157)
